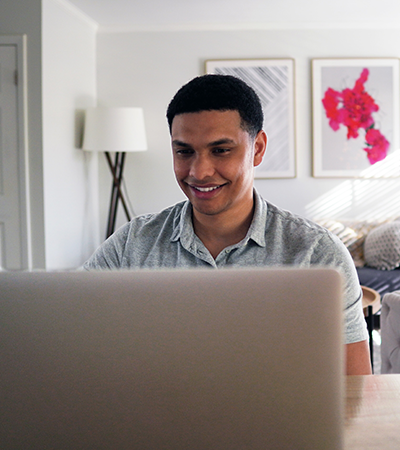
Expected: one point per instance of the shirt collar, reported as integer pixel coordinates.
(183, 228)
(257, 227)
(184, 231)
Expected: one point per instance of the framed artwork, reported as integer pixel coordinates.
(273, 80)
(355, 117)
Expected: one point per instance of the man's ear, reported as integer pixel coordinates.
(260, 146)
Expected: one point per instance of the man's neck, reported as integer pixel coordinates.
(222, 230)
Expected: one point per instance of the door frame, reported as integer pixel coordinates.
(19, 42)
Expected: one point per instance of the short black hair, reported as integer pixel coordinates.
(221, 93)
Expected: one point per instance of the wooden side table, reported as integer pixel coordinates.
(371, 302)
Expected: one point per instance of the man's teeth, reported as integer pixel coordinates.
(206, 189)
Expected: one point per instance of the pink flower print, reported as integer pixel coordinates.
(377, 144)
(353, 108)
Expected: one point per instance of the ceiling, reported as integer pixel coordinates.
(125, 15)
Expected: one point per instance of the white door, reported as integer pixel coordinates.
(14, 242)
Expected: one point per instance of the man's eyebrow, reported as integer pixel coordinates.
(178, 143)
(221, 142)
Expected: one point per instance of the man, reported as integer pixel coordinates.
(217, 138)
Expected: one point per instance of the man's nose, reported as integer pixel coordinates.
(202, 167)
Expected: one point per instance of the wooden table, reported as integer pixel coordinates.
(370, 298)
(372, 412)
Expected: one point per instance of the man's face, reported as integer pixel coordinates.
(214, 159)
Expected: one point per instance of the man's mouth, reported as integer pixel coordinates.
(205, 192)
(205, 189)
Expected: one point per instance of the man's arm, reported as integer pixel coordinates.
(358, 360)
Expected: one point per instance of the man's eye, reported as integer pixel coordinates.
(183, 151)
(221, 150)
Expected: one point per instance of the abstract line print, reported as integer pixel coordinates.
(273, 82)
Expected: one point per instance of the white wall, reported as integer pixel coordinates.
(70, 175)
(146, 68)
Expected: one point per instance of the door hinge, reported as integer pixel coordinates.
(16, 77)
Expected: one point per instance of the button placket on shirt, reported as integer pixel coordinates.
(201, 254)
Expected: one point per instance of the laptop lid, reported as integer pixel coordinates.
(177, 359)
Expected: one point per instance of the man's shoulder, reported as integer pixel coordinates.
(291, 234)
(289, 230)
(133, 242)
(280, 217)
(162, 218)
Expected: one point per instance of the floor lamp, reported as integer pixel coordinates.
(117, 130)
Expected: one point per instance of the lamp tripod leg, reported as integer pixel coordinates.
(117, 170)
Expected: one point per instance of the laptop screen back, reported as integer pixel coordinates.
(209, 359)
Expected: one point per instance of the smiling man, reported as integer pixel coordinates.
(214, 159)
(217, 140)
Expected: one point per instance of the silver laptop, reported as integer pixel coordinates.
(177, 360)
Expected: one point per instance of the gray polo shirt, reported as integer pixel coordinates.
(275, 238)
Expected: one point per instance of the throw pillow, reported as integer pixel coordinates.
(382, 247)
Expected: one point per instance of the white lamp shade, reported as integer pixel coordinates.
(114, 130)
